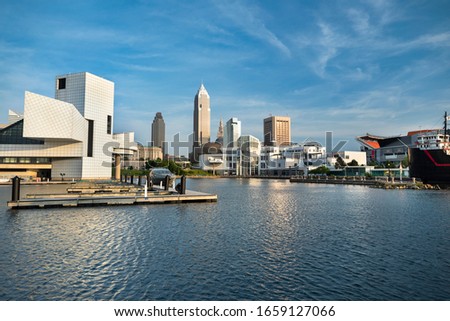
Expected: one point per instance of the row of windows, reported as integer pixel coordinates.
(25, 160)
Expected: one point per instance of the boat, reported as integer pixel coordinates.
(429, 159)
(215, 161)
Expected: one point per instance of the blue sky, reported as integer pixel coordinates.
(350, 67)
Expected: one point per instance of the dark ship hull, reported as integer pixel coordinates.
(431, 166)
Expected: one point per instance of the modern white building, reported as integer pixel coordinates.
(63, 138)
(241, 160)
(348, 156)
(231, 133)
(291, 160)
(248, 156)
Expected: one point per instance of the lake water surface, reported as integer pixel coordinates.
(262, 240)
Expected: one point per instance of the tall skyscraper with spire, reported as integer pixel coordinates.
(220, 132)
(158, 132)
(202, 115)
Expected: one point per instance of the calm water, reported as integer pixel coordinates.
(263, 240)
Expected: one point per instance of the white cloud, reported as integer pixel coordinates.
(249, 21)
(361, 21)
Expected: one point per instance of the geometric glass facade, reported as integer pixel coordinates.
(13, 134)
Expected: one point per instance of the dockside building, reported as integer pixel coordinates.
(69, 136)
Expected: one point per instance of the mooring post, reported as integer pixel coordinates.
(15, 189)
(183, 184)
(166, 183)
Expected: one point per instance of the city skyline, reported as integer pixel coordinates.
(350, 67)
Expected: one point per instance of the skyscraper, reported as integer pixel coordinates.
(277, 131)
(220, 133)
(232, 132)
(158, 132)
(202, 112)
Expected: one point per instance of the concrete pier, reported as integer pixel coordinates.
(106, 194)
(70, 201)
(327, 180)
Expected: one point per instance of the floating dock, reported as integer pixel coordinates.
(103, 195)
(68, 200)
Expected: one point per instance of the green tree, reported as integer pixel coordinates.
(353, 163)
(320, 170)
(389, 164)
(405, 162)
(339, 162)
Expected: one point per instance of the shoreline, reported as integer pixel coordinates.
(381, 182)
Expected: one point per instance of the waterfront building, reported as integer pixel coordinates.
(291, 160)
(141, 155)
(277, 131)
(241, 160)
(249, 152)
(158, 132)
(152, 153)
(63, 138)
(349, 156)
(383, 149)
(231, 133)
(231, 160)
(211, 158)
(13, 117)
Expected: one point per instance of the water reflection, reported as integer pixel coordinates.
(263, 240)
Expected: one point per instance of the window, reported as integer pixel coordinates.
(109, 123)
(13, 134)
(90, 143)
(62, 83)
(42, 160)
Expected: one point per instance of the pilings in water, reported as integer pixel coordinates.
(92, 194)
(181, 187)
(15, 195)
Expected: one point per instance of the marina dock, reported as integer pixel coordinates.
(104, 195)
